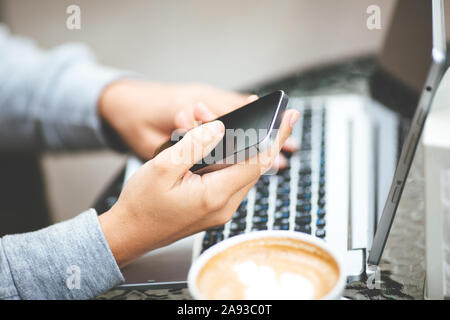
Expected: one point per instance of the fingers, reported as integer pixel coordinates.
(196, 144)
(222, 102)
(280, 162)
(204, 113)
(267, 158)
(182, 121)
(218, 105)
(201, 114)
(291, 145)
(252, 98)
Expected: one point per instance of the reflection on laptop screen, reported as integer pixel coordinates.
(405, 59)
(400, 74)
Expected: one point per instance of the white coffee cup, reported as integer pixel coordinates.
(298, 266)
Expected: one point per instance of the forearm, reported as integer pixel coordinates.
(48, 99)
(45, 264)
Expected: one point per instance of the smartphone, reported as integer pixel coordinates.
(249, 130)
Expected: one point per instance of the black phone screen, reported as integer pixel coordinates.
(247, 127)
(254, 120)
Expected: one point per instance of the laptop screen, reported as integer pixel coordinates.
(405, 58)
(404, 81)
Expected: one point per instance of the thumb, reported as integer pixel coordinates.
(194, 146)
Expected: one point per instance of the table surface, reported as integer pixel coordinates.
(403, 264)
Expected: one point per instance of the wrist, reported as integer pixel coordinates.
(110, 97)
(117, 233)
(128, 235)
(108, 111)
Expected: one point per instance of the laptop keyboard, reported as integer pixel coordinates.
(293, 199)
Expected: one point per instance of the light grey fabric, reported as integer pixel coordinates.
(69, 260)
(48, 101)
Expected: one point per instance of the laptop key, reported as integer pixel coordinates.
(321, 202)
(303, 228)
(281, 203)
(320, 223)
(262, 201)
(261, 207)
(321, 181)
(259, 219)
(321, 192)
(320, 233)
(234, 226)
(281, 214)
(281, 224)
(259, 227)
(235, 233)
(238, 214)
(302, 219)
(321, 213)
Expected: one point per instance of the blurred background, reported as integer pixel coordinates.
(231, 44)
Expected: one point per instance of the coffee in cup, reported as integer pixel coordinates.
(267, 265)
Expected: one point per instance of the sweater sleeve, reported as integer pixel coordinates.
(48, 99)
(68, 260)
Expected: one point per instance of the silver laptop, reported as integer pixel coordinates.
(345, 182)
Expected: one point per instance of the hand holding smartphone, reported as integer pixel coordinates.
(249, 130)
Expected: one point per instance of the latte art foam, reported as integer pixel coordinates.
(262, 283)
(269, 268)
